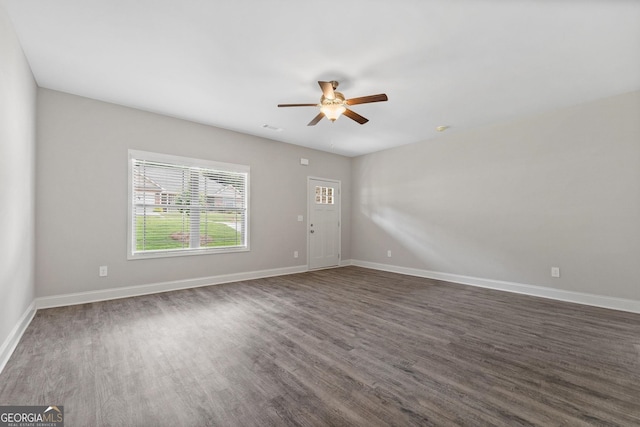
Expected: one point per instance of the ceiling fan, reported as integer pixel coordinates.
(333, 104)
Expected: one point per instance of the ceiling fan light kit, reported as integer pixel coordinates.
(333, 104)
(332, 111)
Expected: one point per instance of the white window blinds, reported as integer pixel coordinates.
(181, 206)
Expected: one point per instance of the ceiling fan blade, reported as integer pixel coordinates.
(327, 90)
(316, 119)
(297, 105)
(367, 99)
(355, 116)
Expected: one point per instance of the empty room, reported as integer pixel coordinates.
(364, 213)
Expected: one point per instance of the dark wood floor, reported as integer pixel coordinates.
(348, 346)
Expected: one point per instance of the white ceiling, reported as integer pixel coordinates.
(228, 63)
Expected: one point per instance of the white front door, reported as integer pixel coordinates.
(324, 223)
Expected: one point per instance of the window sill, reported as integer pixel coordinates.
(186, 252)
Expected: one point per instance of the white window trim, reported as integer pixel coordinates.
(190, 162)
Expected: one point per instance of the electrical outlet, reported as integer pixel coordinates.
(555, 271)
(389, 253)
(103, 271)
(295, 254)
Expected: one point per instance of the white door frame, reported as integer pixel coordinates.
(339, 184)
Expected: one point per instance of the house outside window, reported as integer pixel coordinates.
(184, 206)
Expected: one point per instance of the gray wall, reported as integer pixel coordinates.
(17, 189)
(82, 194)
(507, 202)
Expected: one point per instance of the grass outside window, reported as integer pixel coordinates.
(170, 230)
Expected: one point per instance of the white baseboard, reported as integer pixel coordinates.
(10, 344)
(153, 288)
(621, 304)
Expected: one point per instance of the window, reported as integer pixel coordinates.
(324, 195)
(183, 206)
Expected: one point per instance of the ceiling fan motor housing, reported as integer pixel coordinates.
(338, 99)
